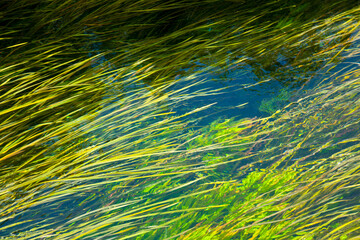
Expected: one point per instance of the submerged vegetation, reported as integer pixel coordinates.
(270, 106)
(101, 136)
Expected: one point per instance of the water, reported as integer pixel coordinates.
(237, 94)
(126, 182)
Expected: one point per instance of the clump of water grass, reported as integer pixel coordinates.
(93, 145)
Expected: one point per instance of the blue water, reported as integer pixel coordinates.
(235, 94)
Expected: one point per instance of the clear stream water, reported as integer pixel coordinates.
(244, 95)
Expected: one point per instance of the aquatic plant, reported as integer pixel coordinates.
(93, 144)
(271, 105)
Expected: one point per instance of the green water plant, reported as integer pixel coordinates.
(308, 191)
(271, 105)
(92, 145)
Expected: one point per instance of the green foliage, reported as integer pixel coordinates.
(90, 147)
(270, 106)
(240, 204)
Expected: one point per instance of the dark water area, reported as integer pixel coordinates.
(238, 95)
